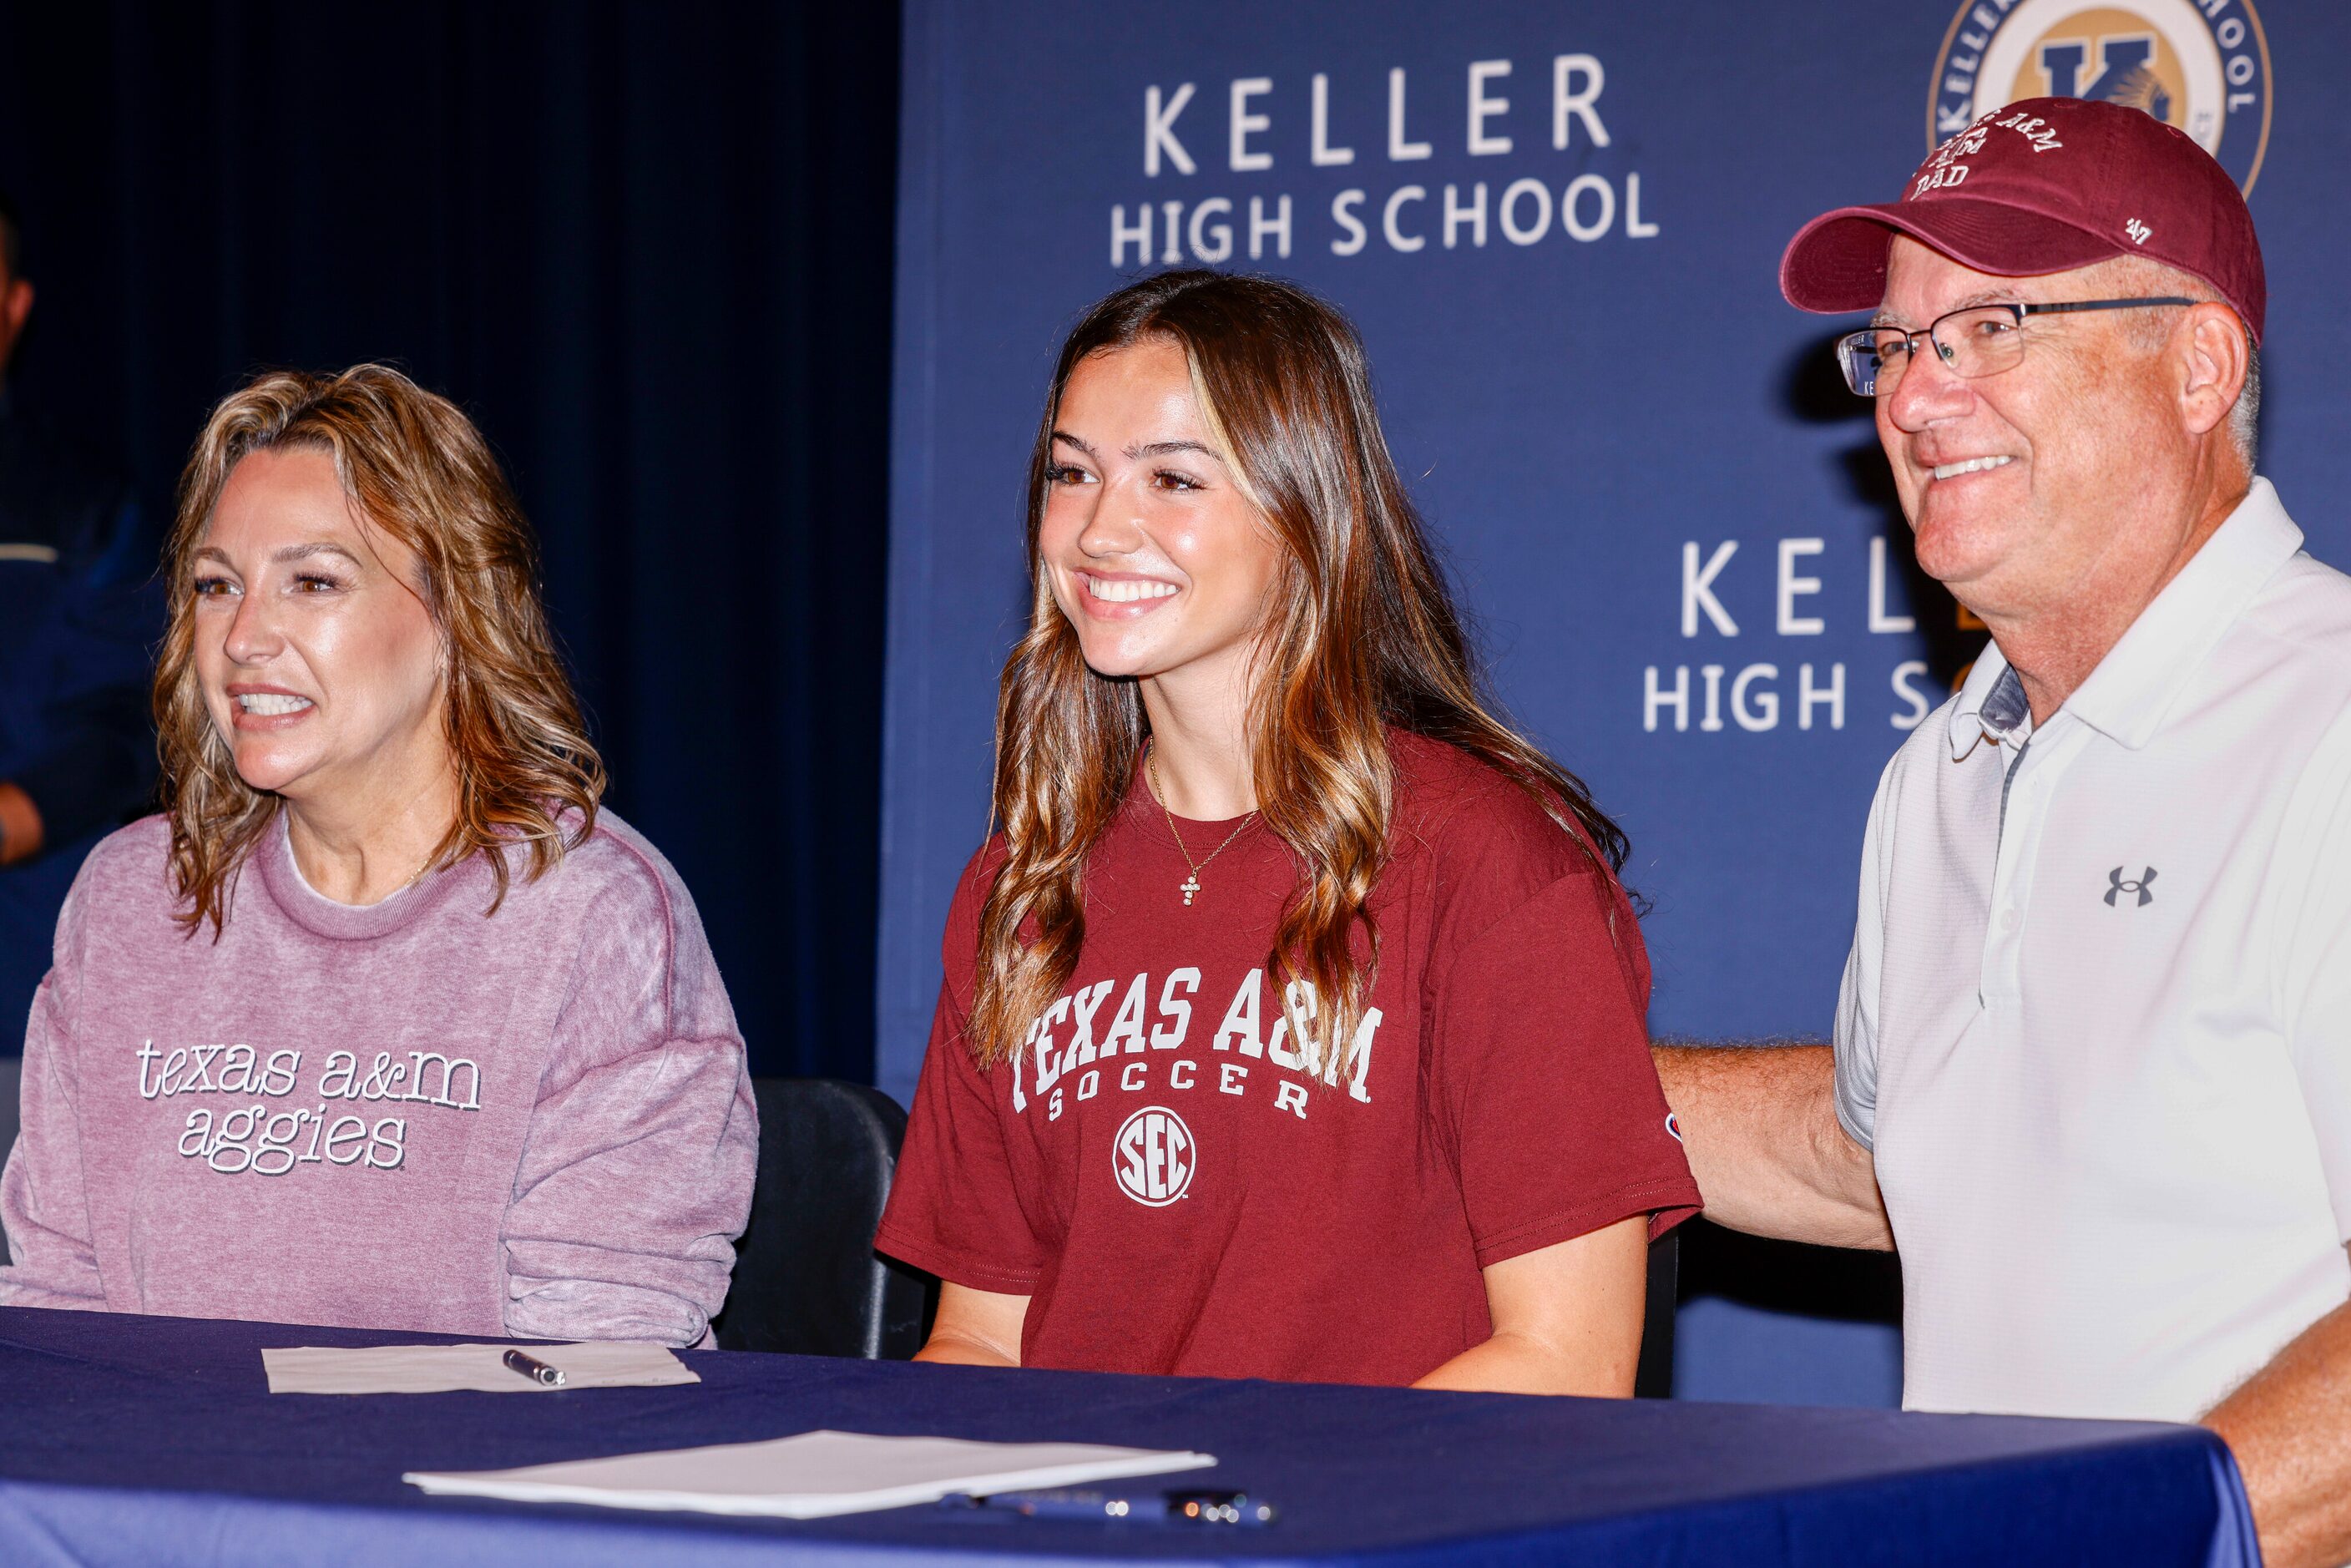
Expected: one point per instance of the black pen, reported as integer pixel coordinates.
(1161, 1508)
(531, 1366)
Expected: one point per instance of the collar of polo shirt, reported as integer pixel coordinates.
(2134, 686)
(1991, 703)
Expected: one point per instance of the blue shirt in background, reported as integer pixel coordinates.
(79, 614)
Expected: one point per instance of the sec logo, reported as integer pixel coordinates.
(2202, 65)
(1153, 1156)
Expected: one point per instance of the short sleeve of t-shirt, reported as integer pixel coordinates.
(1544, 1086)
(1855, 1038)
(955, 1209)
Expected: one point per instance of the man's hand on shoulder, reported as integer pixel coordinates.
(1760, 1125)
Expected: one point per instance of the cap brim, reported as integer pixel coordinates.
(1837, 261)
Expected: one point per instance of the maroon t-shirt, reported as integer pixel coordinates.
(1179, 1187)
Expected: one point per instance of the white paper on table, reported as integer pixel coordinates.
(811, 1475)
(444, 1368)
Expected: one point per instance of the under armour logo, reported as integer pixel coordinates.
(2137, 231)
(2146, 894)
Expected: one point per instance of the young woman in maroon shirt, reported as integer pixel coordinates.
(1293, 1017)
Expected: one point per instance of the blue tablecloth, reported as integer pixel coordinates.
(154, 1441)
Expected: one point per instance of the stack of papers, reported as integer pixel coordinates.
(443, 1368)
(811, 1475)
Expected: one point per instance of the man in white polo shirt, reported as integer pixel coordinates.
(2091, 1071)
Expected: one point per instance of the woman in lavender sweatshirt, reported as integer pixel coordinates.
(381, 1022)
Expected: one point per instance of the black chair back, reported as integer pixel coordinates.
(1652, 1377)
(807, 1278)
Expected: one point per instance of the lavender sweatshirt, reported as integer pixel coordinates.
(399, 1116)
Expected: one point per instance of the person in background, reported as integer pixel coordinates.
(383, 1022)
(1292, 1021)
(2092, 1070)
(77, 617)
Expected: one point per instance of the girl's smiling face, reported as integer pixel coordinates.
(1155, 554)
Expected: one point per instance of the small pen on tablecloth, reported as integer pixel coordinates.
(1148, 1508)
(531, 1366)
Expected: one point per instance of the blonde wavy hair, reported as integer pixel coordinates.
(1364, 636)
(413, 467)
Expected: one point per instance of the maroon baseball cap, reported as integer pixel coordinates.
(2044, 184)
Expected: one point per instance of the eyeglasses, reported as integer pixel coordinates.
(1981, 341)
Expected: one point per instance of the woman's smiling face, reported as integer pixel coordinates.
(1156, 556)
(320, 664)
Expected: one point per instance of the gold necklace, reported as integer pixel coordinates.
(1190, 885)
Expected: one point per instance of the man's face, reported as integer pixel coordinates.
(2075, 456)
(15, 304)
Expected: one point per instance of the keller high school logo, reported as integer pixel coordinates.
(1153, 1156)
(2200, 65)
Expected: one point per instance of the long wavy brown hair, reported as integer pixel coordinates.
(414, 467)
(1364, 636)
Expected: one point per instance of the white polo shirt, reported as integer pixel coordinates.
(2102, 1048)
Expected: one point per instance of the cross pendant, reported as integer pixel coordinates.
(1191, 885)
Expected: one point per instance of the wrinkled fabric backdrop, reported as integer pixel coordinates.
(647, 248)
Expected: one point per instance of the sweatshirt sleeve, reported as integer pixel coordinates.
(43, 1205)
(636, 1174)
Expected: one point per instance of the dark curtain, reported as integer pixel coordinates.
(648, 247)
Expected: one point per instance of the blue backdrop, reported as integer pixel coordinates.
(1558, 226)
